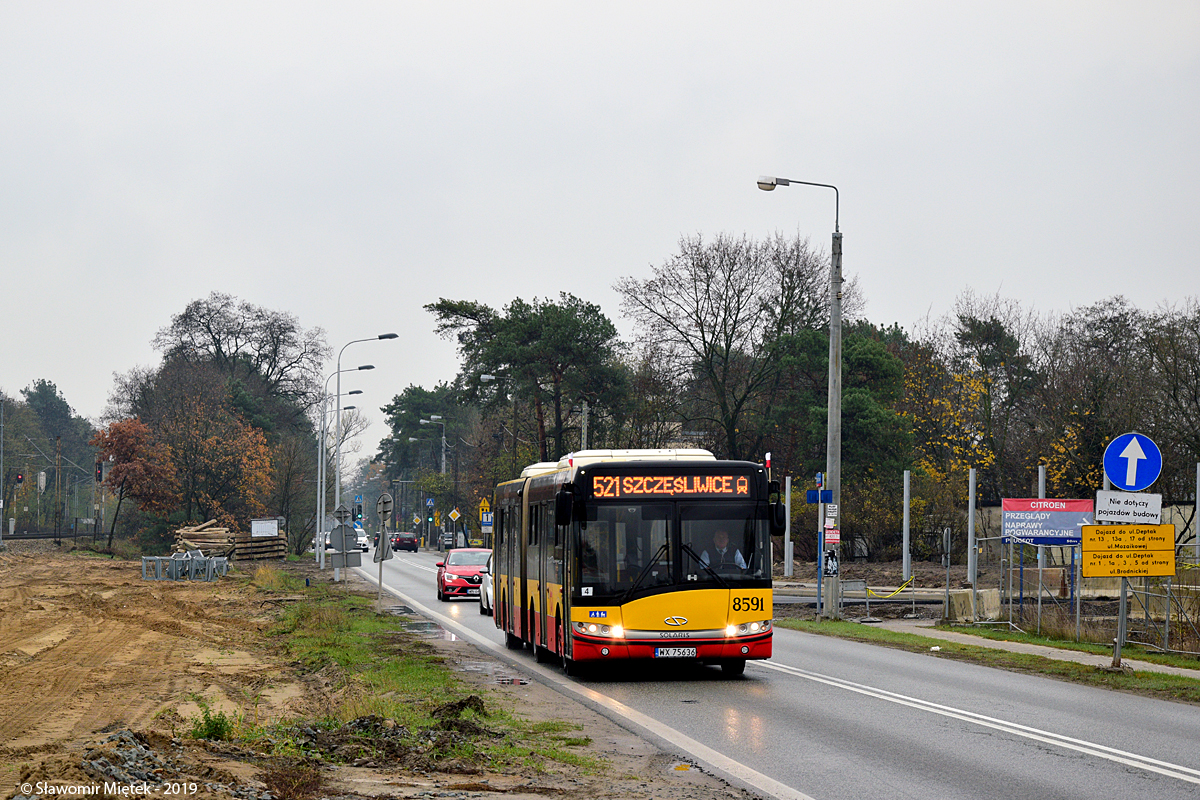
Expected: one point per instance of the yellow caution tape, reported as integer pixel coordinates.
(893, 594)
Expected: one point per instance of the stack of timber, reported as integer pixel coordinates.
(213, 540)
(255, 548)
(234, 545)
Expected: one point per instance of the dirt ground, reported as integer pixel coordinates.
(101, 670)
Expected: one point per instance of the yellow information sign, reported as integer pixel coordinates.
(484, 506)
(1117, 551)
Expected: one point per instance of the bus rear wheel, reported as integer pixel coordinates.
(512, 642)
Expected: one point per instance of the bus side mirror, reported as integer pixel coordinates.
(564, 501)
(778, 518)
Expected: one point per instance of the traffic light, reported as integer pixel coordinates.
(99, 471)
(20, 477)
(357, 511)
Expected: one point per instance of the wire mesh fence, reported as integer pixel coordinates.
(1045, 593)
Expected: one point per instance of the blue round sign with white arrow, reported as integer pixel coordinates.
(1132, 462)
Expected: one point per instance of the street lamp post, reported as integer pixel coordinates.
(402, 494)
(833, 442)
(433, 420)
(319, 547)
(337, 491)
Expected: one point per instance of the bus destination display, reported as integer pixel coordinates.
(626, 486)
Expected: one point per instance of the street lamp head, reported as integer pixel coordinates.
(435, 416)
(426, 422)
(389, 336)
(354, 391)
(413, 439)
(367, 366)
(348, 408)
(767, 183)
(486, 378)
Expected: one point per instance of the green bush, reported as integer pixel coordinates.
(211, 726)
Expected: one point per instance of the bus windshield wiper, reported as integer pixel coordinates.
(645, 571)
(687, 548)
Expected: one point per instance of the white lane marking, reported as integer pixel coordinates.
(1079, 745)
(707, 757)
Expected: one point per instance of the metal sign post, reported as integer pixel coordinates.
(946, 562)
(383, 552)
(342, 515)
(1132, 462)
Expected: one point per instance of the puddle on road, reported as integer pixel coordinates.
(495, 673)
(399, 611)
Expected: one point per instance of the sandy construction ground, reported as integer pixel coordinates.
(102, 668)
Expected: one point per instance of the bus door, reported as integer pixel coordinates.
(528, 567)
(537, 524)
(556, 581)
(503, 564)
(513, 552)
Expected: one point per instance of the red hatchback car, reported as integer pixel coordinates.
(458, 575)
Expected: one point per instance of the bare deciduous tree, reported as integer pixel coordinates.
(715, 311)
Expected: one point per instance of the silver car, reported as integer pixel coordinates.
(486, 603)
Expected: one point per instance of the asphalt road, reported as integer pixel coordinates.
(831, 719)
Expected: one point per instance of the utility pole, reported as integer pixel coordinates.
(583, 434)
(58, 490)
(514, 433)
(2, 512)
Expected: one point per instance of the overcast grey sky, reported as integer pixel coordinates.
(351, 162)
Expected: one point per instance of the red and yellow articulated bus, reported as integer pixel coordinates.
(610, 555)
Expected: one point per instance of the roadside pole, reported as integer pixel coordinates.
(383, 551)
(787, 528)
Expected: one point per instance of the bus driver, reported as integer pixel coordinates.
(723, 555)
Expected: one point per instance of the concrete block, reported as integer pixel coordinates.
(987, 605)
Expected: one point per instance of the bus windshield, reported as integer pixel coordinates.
(625, 550)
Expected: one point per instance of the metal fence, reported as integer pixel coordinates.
(190, 566)
(1048, 594)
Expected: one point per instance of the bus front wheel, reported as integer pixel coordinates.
(733, 667)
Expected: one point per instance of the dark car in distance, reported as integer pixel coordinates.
(404, 540)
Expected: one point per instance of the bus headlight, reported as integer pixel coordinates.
(748, 628)
(597, 629)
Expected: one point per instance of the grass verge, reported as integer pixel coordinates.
(393, 697)
(1148, 684)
